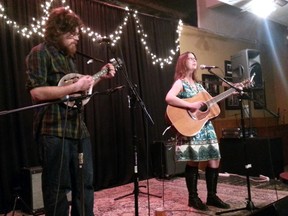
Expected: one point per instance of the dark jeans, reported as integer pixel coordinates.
(60, 162)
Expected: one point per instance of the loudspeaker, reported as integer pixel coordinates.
(278, 208)
(32, 190)
(164, 164)
(264, 155)
(246, 64)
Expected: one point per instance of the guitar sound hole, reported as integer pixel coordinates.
(204, 108)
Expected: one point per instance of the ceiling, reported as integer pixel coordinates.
(187, 9)
(280, 15)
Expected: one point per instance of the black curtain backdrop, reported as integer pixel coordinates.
(108, 116)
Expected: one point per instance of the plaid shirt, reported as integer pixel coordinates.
(46, 65)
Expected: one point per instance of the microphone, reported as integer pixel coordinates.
(103, 40)
(203, 67)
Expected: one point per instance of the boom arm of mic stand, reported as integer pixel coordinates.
(134, 94)
(246, 96)
(5, 112)
(89, 57)
(225, 81)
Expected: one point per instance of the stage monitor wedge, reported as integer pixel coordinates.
(278, 208)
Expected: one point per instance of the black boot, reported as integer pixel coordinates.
(211, 183)
(191, 177)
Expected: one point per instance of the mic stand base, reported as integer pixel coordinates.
(249, 207)
(137, 191)
(30, 211)
(132, 102)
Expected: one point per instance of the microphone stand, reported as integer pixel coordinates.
(133, 99)
(66, 99)
(5, 112)
(249, 203)
(78, 104)
(89, 57)
(249, 206)
(225, 81)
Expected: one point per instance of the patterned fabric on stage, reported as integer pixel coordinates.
(204, 145)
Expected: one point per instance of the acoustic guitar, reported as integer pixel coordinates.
(190, 123)
(74, 77)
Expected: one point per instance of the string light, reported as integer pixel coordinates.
(114, 37)
(143, 38)
(37, 28)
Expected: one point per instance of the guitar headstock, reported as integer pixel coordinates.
(249, 83)
(117, 63)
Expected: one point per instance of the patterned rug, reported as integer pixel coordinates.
(174, 197)
(169, 197)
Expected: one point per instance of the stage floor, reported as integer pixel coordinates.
(173, 196)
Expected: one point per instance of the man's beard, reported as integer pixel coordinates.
(69, 50)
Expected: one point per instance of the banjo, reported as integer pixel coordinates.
(74, 77)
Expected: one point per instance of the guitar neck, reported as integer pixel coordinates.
(221, 96)
(99, 74)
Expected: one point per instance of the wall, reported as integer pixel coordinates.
(213, 49)
(266, 36)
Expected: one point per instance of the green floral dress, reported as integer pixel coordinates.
(204, 145)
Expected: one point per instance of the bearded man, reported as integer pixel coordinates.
(59, 129)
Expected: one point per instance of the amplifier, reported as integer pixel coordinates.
(32, 190)
(163, 160)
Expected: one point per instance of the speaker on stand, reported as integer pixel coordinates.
(246, 64)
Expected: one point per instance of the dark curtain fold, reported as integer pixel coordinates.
(108, 116)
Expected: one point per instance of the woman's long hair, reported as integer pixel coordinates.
(180, 70)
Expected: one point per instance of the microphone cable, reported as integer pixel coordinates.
(61, 160)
